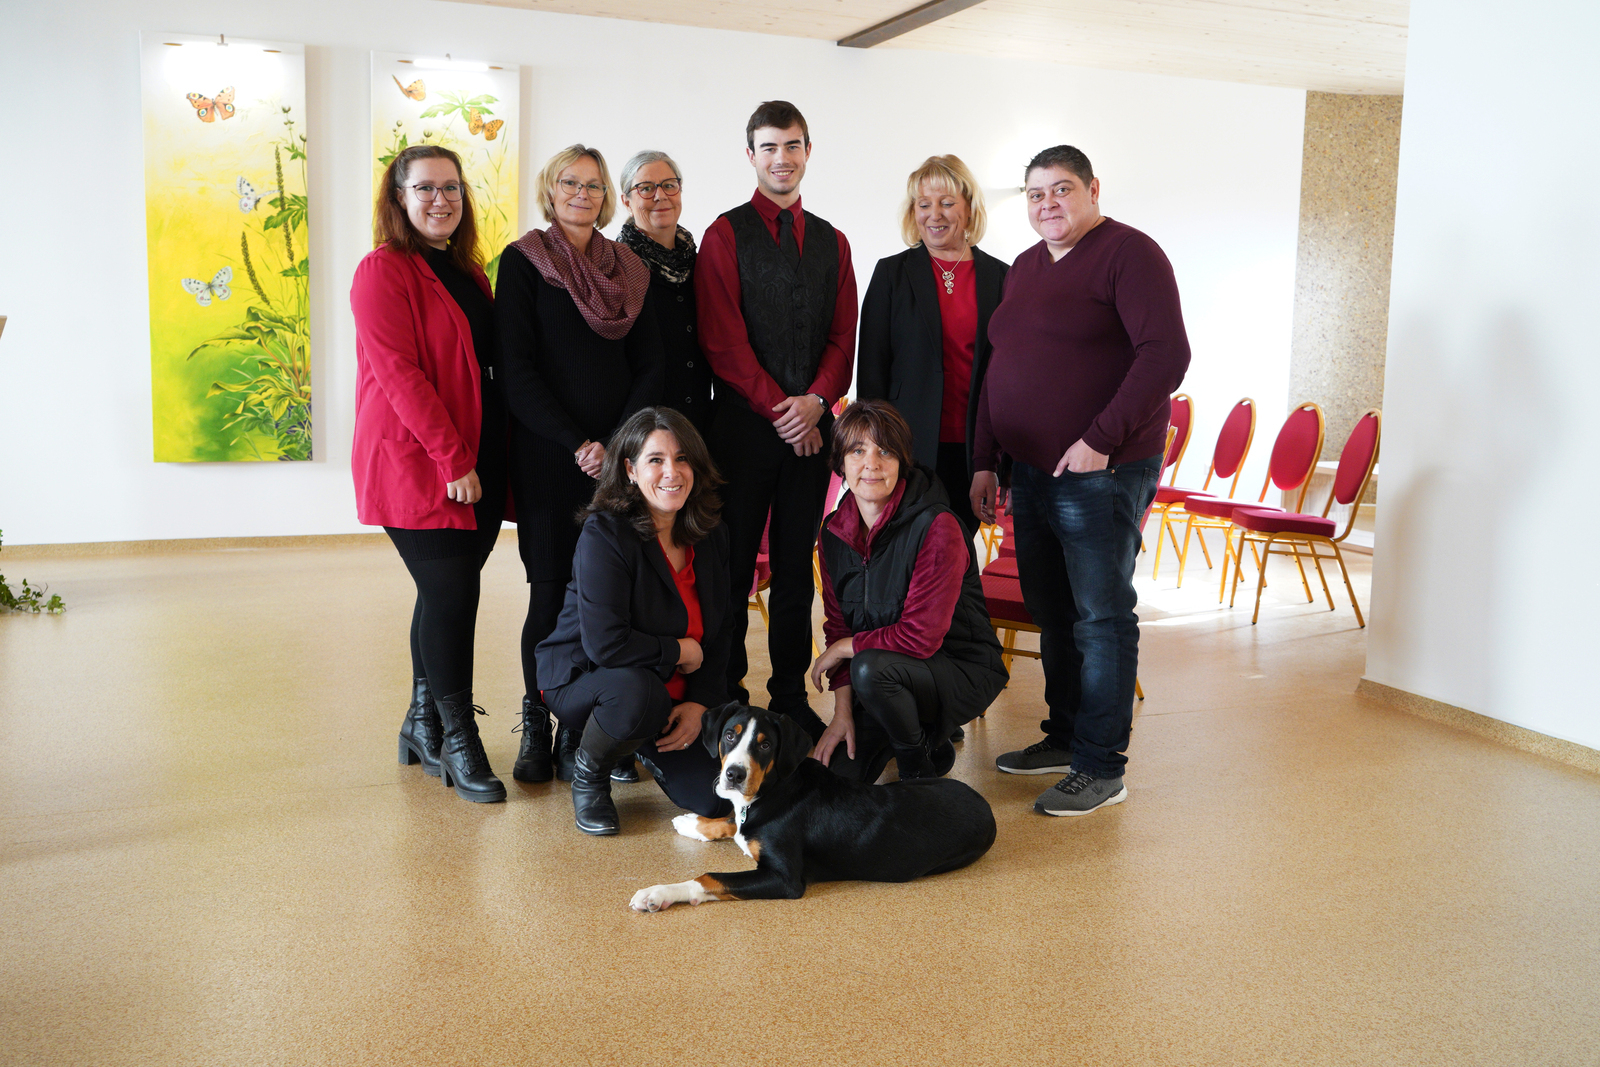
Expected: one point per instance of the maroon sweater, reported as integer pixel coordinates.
(1089, 346)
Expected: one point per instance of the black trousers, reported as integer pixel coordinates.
(631, 703)
(764, 474)
(445, 566)
(952, 471)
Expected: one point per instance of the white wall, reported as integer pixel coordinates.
(1484, 588)
(1210, 170)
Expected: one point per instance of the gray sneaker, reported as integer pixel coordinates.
(1079, 794)
(1039, 758)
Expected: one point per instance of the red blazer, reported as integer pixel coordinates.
(418, 405)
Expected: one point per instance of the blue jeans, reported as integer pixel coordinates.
(1077, 543)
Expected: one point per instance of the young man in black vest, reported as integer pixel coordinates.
(776, 300)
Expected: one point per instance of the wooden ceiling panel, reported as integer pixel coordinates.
(1339, 46)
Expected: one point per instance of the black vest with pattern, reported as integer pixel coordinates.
(787, 311)
(872, 591)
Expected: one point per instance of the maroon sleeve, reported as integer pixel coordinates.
(723, 336)
(1146, 295)
(931, 600)
(839, 356)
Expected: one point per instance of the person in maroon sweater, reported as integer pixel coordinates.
(776, 300)
(1088, 345)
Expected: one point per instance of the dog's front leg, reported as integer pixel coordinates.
(695, 891)
(766, 882)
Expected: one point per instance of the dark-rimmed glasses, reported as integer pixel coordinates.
(647, 190)
(427, 193)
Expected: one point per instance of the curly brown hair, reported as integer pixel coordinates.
(391, 226)
(616, 495)
(876, 421)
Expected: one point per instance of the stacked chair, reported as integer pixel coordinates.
(1227, 461)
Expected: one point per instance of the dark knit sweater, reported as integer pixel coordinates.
(1089, 346)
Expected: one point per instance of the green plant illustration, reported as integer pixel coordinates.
(452, 104)
(268, 396)
(30, 598)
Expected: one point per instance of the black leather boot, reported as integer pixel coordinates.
(598, 752)
(462, 762)
(534, 763)
(566, 749)
(918, 762)
(626, 771)
(419, 733)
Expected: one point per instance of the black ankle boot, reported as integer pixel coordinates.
(419, 733)
(462, 762)
(533, 761)
(566, 749)
(598, 752)
(626, 771)
(917, 761)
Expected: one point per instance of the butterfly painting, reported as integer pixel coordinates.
(248, 197)
(490, 130)
(416, 90)
(210, 108)
(204, 291)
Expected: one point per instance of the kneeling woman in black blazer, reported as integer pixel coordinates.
(641, 647)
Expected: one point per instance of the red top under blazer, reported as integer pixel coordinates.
(419, 408)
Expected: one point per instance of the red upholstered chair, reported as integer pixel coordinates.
(1181, 421)
(1291, 532)
(1294, 457)
(1227, 461)
(763, 576)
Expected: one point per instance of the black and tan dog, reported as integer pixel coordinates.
(801, 823)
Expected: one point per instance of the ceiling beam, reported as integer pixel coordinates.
(905, 22)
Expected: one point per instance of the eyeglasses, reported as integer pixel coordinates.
(671, 187)
(427, 193)
(570, 186)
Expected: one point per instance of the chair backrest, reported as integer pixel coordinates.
(1356, 464)
(1181, 421)
(1295, 452)
(1233, 444)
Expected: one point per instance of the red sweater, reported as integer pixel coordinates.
(722, 331)
(1089, 346)
(419, 410)
(930, 601)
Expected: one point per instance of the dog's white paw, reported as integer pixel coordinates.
(656, 898)
(688, 826)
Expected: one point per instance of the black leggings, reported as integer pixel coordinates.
(631, 703)
(544, 608)
(445, 618)
(894, 700)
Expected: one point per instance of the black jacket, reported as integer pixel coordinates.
(623, 610)
(900, 357)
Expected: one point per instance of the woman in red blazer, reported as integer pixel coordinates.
(429, 455)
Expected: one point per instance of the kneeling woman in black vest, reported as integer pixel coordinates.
(911, 654)
(640, 649)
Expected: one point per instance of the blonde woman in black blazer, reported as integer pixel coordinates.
(927, 312)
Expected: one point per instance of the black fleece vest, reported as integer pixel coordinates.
(872, 591)
(787, 311)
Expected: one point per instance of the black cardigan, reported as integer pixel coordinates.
(900, 357)
(564, 384)
(623, 610)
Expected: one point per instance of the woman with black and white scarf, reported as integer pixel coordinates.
(652, 190)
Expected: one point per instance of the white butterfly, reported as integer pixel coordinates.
(217, 286)
(248, 197)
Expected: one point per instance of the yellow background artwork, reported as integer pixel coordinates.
(225, 218)
(469, 108)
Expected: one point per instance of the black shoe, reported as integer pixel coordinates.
(959, 736)
(943, 757)
(534, 763)
(626, 771)
(462, 763)
(420, 732)
(592, 808)
(917, 762)
(566, 749)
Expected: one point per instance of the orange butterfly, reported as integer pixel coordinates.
(208, 108)
(416, 90)
(490, 130)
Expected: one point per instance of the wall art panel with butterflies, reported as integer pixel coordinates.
(469, 108)
(225, 218)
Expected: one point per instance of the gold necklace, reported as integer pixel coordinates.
(949, 275)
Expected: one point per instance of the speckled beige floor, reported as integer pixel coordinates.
(210, 856)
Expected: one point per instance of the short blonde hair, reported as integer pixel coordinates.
(953, 174)
(560, 162)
